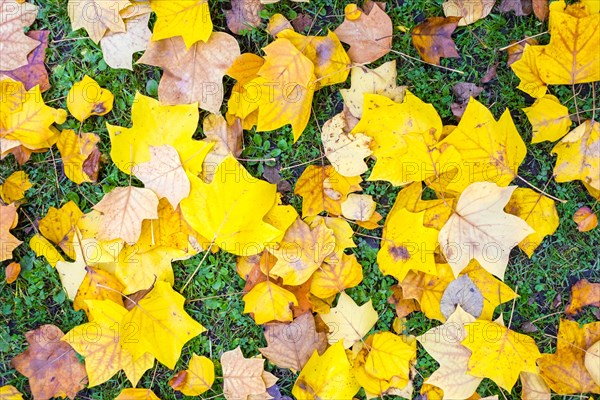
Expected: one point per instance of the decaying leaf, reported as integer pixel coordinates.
(583, 293)
(87, 98)
(433, 40)
(14, 44)
(34, 72)
(244, 15)
(242, 377)
(345, 151)
(464, 293)
(12, 272)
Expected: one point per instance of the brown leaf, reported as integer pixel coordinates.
(195, 74)
(301, 22)
(132, 299)
(463, 91)
(226, 139)
(515, 52)
(583, 293)
(585, 219)
(34, 72)
(291, 345)
(91, 165)
(519, 7)
(369, 35)
(491, 73)
(242, 377)
(244, 15)
(403, 305)
(302, 293)
(12, 272)
(433, 39)
(541, 9)
(50, 364)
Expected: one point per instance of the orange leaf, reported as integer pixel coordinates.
(583, 293)
(12, 272)
(585, 219)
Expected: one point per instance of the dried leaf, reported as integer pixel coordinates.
(433, 39)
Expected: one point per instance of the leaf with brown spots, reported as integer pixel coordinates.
(433, 39)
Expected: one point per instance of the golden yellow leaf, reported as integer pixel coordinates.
(76, 152)
(428, 289)
(14, 187)
(242, 377)
(269, 302)
(123, 210)
(97, 16)
(585, 218)
(499, 353)
(579, 155)
(381, 80)
(9, 392)
(348, 322)
(97, 285)
(155, 124)
(302, 251)
(188, 19)
(390, 355)
(137, 394)
(227, 139)
(73, 273)
(538, 211)
(470, 11)
(406, 244)
(345, 151)
(334, 276)
(327, 376)
(534, 387)
(437, 211)
(342, 231)
(230, 210)
(565, 371)
(58, 226)
(443, 343)
(550, 119)
(138, 271)
(358, 207)
(42, 247)
(102, 342)
(480, 229)
(324, 189)
(164, 325)
(197, 379)
(87, 98)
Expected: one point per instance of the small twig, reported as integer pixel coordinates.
(206, 253)
(512, 311)
(521, 41)
(425, 62)
(214, 297)
(540, 190)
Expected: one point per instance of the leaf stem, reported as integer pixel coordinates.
(522, 40)
(425, 62)
(540, 190)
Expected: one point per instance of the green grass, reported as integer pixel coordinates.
(214, 295)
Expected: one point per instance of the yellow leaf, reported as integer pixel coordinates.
(9, 392)
(102, 342)
(269, 302)
(579, 155)
(123, 210)
(14, 187)
(428, 289)
(230, 210)
(358, 207)
(188, 19)
(242, 377)
(335, 276)
(527, 71)
(323, 189)
(227, 139)
(592, 361)
(499, 353)
(327, 376)
(480, 229)
(302, 251)
(197, 379)
(550, 119)
(538, 211)
(73, 273)
(443, 343)
(87, 98)
(58, 226)
(348, 322)
(407, 244)
(137, 394)
(381, 80)
(155, 124)
(97, 16)
(345, 151)
(164, 324)
(437, 211)
(97, 285)
(390, 355)
(42, 247)
(534, 387)
(342, 231)
(75, 150)
(138, 271)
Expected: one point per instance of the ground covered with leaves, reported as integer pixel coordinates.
(230, 199)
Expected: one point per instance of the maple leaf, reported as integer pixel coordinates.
(244, 15)
(443, 343)
(51, 365)
(335, 276)
(118, 47)
(324, 189)
(106, 354)
(123, 210)
(80, 155)
(8, 220)
(197, 379)
(193, 74)
(155, 124)
(565, 371)
(188, 19)
(345, 151)
(500, 359)
(9, 392)
(137, 394)
(538, 211)
(381, 80)
(550, 119)
(569, 58)
(97, 16)
(349, 322)
(14, 44)
(433, 39)
(469, 10)
(87, 98)
(585, 219)
(291, 345)
(369, 34)
(242, 377)
(479, 223)
(230, 210)
(326, 376)
(269, 302)
(34, 72)
(14, 187)
(579, 156)
(583, 294)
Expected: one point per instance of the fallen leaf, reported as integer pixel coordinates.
(433, 39)
(197, 379)
(515, 51)
(8, 220)
(72, 274)
(550, 119)
(118, 47)
(326, 376)
(519, 7)
(302, 22)
(242, 377)
(402, 305)
(463, 91)
(464, 293)
(540, 9)
(193, 74)
(534, 387)
(136, 394)
(369, 35)
(291, 345)
(87, 98)
(188, 19)
(226, 139)
(12, 272)
(592, 356)
(58, 226)
(244, 15)
(345, 151)
(80, 155)
(437, 211)
(104, 17)
(269, 302)
(97, 285)
(278, 23)
(14, 44)
(9, 392)
(480, 224)
(335, 276)
(51, 365)
(34, 72)
(491, 73)
(42, 247)
(470, 11)
(14, 187)
(585, 219)
(390, 356)
(348, 322)
(583, 293)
